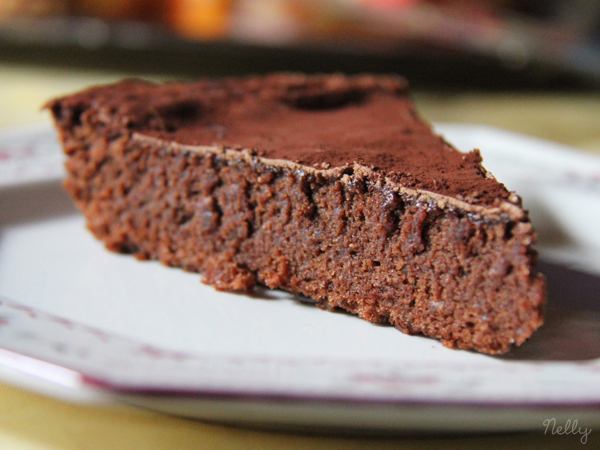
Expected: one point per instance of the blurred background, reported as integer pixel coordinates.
(509, 59)
(494, 43)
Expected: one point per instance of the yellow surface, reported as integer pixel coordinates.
(24, 90)
(32, 422)
(572, 119)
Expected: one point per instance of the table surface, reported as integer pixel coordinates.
(33, 422)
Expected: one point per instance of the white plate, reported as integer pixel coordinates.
(85, 324)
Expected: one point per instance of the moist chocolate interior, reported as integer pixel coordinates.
(346, 237)
(320, 122)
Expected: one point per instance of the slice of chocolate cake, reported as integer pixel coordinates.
(326, 186)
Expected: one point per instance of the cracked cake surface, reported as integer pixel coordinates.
(327, 186)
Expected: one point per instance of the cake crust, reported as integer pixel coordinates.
(187, 174)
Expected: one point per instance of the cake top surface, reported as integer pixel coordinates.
(322, 122)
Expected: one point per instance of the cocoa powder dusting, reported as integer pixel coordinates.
(318, 121)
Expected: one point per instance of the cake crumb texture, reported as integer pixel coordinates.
(349, 238)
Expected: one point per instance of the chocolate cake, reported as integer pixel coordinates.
(326, 186)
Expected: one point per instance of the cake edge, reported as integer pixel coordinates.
(510, 209)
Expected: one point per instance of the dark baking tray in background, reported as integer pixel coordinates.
(146, 48)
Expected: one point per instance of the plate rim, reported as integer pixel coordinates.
(117, 392)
